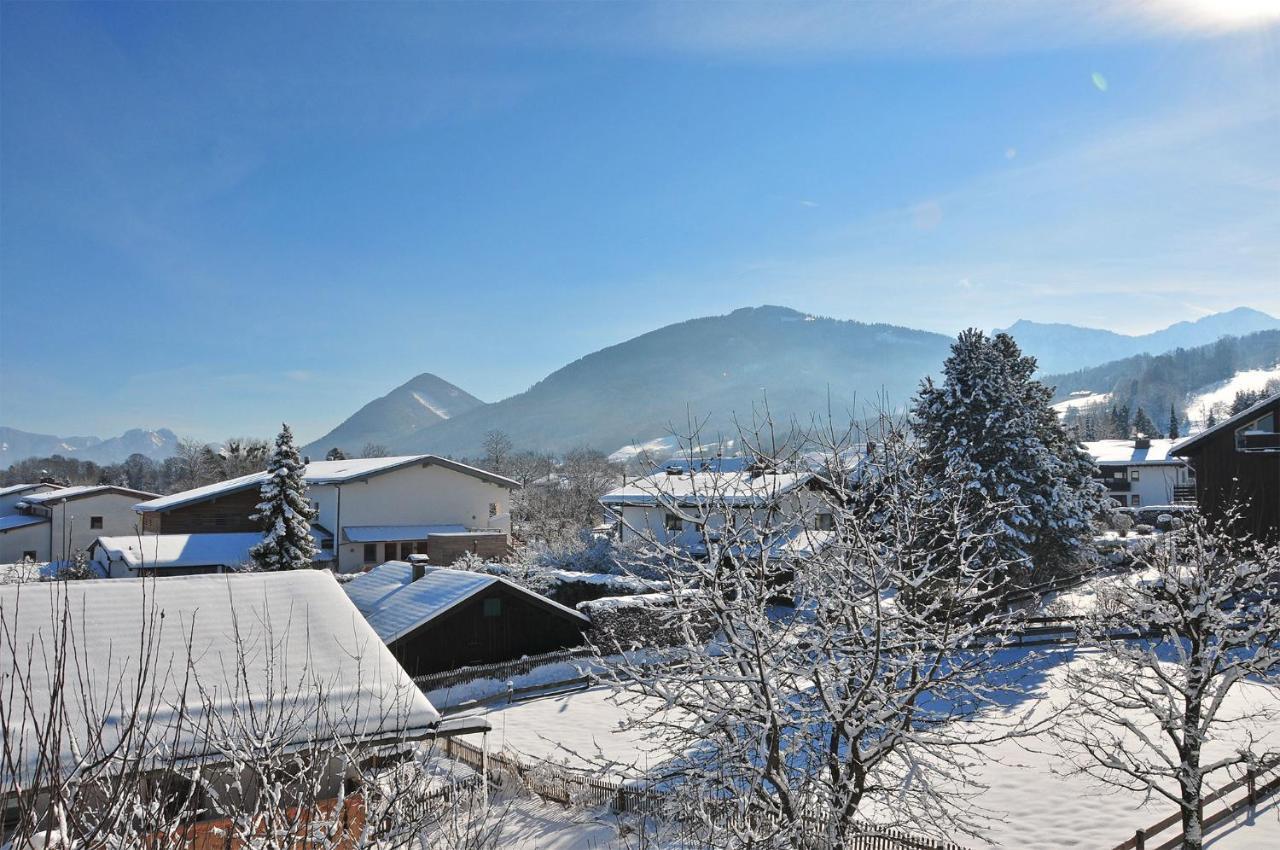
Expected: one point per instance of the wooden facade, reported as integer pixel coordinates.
(498, 623)
(1232, 469)
(229, 512)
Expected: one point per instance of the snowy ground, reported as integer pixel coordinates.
(1219, 396)
(1082, 399)
(1036, 802)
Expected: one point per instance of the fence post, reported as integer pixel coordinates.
(1140, 840)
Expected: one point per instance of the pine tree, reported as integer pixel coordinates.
(1120, 426)
(1143, 426)
(989, 423)
(284, 511)
(1173, 423)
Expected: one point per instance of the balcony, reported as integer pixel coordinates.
(1116, 485)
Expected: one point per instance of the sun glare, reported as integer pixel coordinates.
(1232, 13)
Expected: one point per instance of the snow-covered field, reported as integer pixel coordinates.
(1082, 399)
(1219, 396)
(1034, 799)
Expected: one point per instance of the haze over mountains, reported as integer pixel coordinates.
(719, 367)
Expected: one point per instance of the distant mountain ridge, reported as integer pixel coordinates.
(16, 445)
(420, 402)
(1062, 348)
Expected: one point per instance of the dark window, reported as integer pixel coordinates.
(95, 522)
(29, 555)
(422, 547)
(389, 551)
(493, 607)
(1133, 476)
(370, 552)
(406, 549)
(1135, 501)
(671, 522)
(824, 522)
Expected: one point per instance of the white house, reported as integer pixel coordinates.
(370, 510)
(676, 503)
(180, 554)
(52, 524)
(14, 493)
(1141, 472)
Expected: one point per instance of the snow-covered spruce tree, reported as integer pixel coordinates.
(1173, 423)
(990, 424)
(1157, 714)
(1143, 426)
(815, 723)
(285, 511)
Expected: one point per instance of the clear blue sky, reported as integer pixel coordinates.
(215, 217)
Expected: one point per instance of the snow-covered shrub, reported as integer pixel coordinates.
(635, 622)
(1144, 529)
(77, 568)
(1121, 522)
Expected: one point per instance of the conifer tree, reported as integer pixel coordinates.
(1143, 426)
(284, 511)
(1173, 423)
(991, 424)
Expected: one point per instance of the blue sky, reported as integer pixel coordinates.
(215, 217)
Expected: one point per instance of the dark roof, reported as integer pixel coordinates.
(1245, 415)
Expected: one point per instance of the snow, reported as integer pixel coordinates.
(79, 492)
(12, 521)
(21, 488)
(165, 551)
(1124, 451)
(662, 447)
(442, 412)
(1221, 395)
(731, 488)
(379, 533)
(296, 629)
(615, 583)
(1080, 399)
(395, 604)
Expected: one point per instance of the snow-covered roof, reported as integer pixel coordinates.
(378, 533)
(12, 521)
(167, 551)
(81, 491)
(1241, 417)
(698, 488)
(321, 472)
(22, 488)
(396, 605)
(289, 643)
(1126, 452)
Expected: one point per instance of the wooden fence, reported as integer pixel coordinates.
(562, 786)
(1258, 785)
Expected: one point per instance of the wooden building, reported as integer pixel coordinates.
(436, 619)
(1238, 462)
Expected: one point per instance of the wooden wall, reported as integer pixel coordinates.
(443, 550)
(466, 636)
(1225, 475)
(227, 513)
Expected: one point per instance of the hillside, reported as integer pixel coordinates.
(16, 445)
(1179, 377)
(1060, 348)
(719, 366)
(421, 402)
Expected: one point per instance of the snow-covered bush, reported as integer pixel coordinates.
(1143, 529)
(1121, 522)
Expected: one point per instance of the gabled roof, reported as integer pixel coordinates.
(289, 642)
(396, 605)
(82, 491)
(1243, 416)
(22, 488)
(167, 551)
(1124, 451)
(321, 472)
(700, 488)
(12, 521)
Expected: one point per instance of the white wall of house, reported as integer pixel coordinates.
(9, 502)
(17, 542)
(1151, 483)
(643, 523)
(413, 495)
(72, 521)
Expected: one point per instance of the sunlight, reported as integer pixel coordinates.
(1231, 14)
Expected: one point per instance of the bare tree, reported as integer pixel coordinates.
(854, 616)
(497, 451)
(1148, 711)
(375, 450)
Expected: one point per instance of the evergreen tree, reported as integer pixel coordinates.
(1173, 423)
(335, 453)
(1120, 426)
(284, 511)
(991, 425)
(1143, 426)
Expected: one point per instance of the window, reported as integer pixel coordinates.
(1133, 475)
(406, 549)
(422, 547)
(1136, 501)
(95, 522)
(370, 552)
(824, 522)
(493, 607)
(493, 509)
(389, 552)
(29, 555)
(671, 522)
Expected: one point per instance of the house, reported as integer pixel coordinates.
(1141, 472)
(283, 655)
(14, 493)
(1238, 462)
(435, 619)
(672, 505)
(136, 555)
(370, 510)
(52, 524)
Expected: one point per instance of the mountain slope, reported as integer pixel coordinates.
(421, 402)
(18, 445)
(718, 366)
(1062, 348)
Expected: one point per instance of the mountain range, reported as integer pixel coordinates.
(18, 445)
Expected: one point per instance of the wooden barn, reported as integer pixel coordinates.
(436, 619)
(1238, 461)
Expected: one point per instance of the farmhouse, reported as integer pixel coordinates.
(1141, 472)
(231, 650)
(370, 509)
(52, 523)
(1238, 462)
(436, 619)
(674, 504)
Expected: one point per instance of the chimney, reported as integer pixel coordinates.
(1142, 442)
(419, 566)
